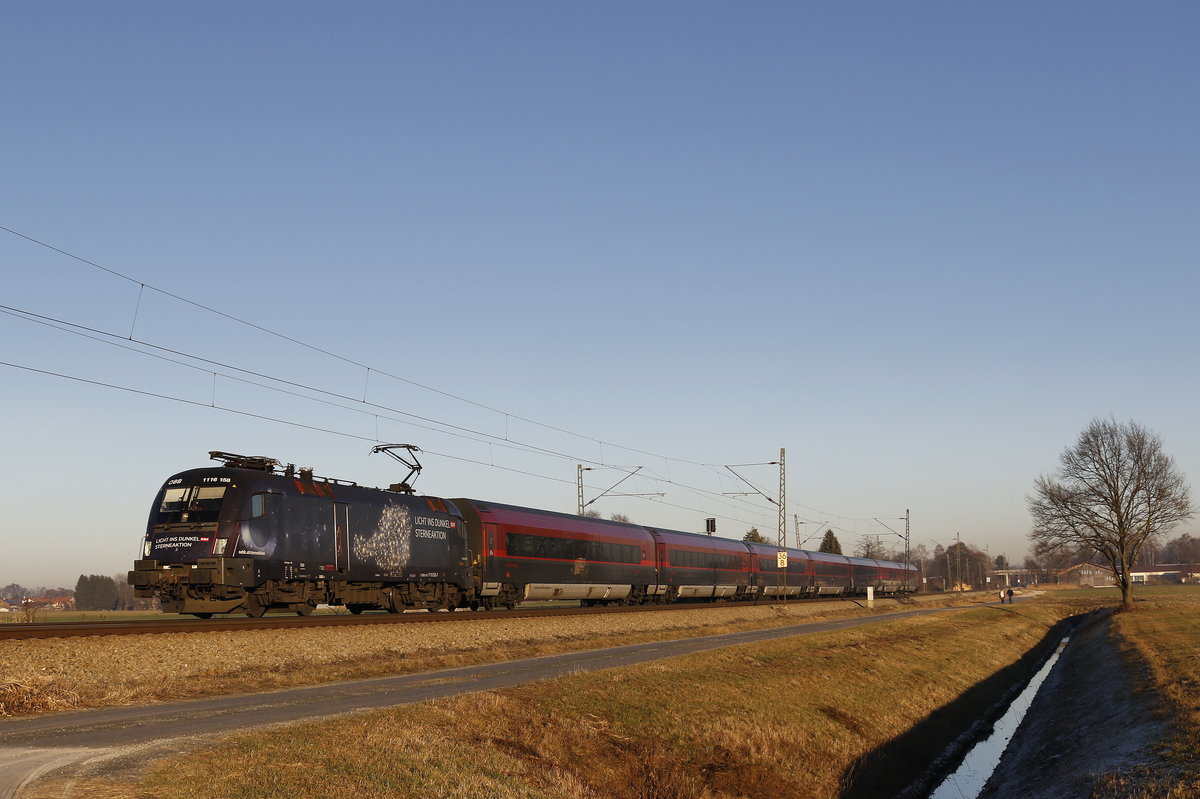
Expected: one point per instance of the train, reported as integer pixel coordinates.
(250, 535)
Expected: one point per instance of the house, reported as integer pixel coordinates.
(1086, 575)
(57, 602)
(1166, 574)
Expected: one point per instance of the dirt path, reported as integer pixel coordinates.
(1086, 720)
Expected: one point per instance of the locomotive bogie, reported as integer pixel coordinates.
(430, 596)
(191, 588)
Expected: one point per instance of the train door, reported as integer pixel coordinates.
(341, 534)
(488, 555)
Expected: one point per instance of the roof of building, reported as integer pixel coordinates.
(1081, 566)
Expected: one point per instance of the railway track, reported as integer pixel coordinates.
(270, 622)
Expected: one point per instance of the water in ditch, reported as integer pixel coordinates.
(981, 761)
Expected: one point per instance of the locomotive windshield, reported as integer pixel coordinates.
(190, 504)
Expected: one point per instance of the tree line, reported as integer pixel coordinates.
(18, 591)
(91, 592)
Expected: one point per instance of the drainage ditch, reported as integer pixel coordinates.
(972, 774)
(915, 764)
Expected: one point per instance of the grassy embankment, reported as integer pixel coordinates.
(793, 718)
(1162, 636)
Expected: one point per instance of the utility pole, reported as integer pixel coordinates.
(907, 520)
(782, 501)
(958, 559)
(605, 492)
(579, 486)
(781, 535)
(907, 525)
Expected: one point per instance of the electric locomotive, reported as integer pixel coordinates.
(249, 536)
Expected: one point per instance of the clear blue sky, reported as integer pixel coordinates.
(918, 245)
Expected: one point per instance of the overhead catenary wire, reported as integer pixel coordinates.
(312, 347)
(320, 429)
(304, 426)
(113, 340)
(104, 337)
(449, 427)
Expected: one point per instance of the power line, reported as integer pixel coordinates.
(110, 339)
(300, 425)
(233, 318)
(104, 337)
(493, 439)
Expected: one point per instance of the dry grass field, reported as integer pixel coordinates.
(791, 718)
(56, 674)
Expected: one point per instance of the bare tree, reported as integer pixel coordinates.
(1114, 490)
(15, 591)
(871, 546)
(1184, 549)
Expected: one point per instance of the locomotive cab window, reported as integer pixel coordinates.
(190, 504)
(174, 501)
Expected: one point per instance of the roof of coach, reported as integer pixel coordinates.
(679, 537)
(514, 514)
(771, 549)
(828, 557)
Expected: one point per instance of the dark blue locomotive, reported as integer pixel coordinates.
(249, 536)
